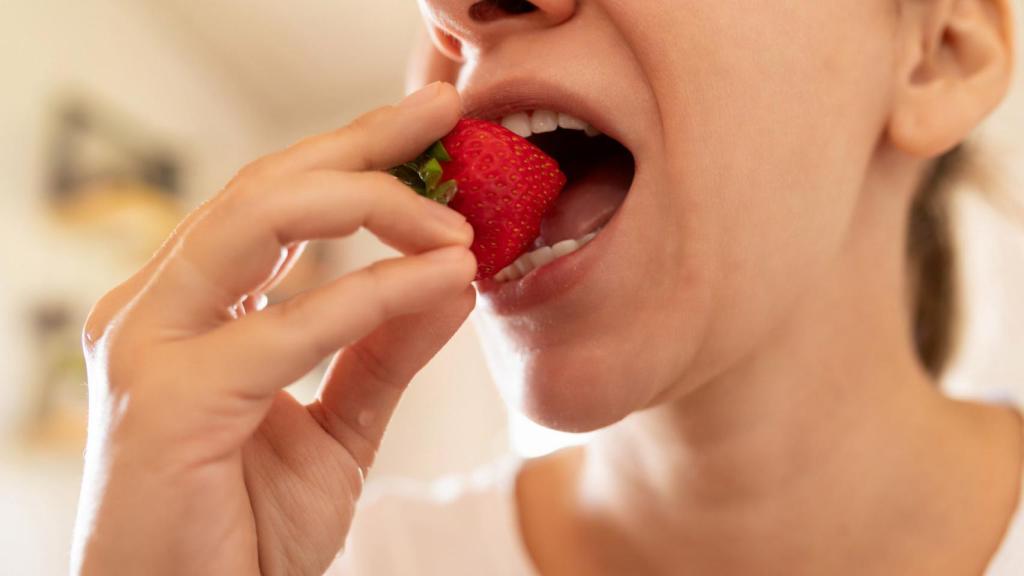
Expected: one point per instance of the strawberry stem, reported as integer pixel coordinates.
(445, 192)
(438, 151)
(424, 174)
(431, 173)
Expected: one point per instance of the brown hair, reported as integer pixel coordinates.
(932, 261)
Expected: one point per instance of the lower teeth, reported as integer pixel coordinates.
(542, 256)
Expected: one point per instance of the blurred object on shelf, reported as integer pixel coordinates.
(57, 416)
(112, 183)
(113, 190)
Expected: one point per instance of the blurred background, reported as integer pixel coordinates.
(118, 116)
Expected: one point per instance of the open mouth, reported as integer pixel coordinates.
(600, 172)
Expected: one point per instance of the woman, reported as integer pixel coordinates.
(749, 333)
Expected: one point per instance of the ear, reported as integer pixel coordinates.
(954, 71)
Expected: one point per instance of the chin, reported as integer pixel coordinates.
(576, 387)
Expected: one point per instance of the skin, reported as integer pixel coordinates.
(779, 421)
(772, 416)
(197, 462)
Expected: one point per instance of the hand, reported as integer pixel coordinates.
(197, 462)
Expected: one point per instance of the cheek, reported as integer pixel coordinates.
(771, 116)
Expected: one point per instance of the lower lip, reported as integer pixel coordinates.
(549, 282)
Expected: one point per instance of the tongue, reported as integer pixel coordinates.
(588, 202)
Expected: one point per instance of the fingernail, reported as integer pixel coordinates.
(421, 96)
(450, 254)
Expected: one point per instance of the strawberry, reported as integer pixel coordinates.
(501, 183)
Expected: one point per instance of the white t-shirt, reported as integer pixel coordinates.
(459, 525)
(470, 527)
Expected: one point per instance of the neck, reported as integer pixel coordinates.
(832, 432)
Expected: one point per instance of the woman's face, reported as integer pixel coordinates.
(753, 127)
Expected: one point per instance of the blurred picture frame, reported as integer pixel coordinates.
(111, 179)
(113, 193)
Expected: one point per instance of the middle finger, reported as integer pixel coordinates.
(237, 246)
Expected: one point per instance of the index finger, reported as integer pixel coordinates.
(378, 140)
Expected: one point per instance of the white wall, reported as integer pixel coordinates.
(992, 257)
(119, 53)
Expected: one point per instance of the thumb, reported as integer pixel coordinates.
(366, 380)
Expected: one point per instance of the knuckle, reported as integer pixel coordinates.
(373, 188)
(254, 170)
(246, 201)
(358, 450)
(360, 137)
(115, 380)
(235, 198)
(243, 188)
(318, 140)
(121, 362)
(379, 308)
(95, 327)
(365, 123)
(376, 367)
(101, 317)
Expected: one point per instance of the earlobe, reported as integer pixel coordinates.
(957, 68)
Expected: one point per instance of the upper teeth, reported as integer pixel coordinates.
(527, 124)
(544, 255)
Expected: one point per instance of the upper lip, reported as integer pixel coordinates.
(517, 94)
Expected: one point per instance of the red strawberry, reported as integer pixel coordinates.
(499, 181)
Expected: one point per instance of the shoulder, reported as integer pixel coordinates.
(1009, 558)
(456, 525)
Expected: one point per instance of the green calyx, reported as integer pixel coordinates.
(425, 172)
